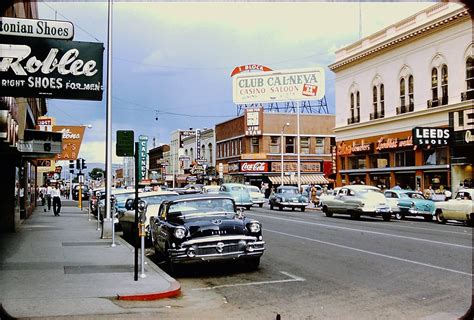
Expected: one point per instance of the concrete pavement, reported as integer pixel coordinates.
(59, 266)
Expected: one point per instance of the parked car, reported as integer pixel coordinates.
(307, 190)
(189, 189)
(210, 189)
(358, 200)
(410, 203)
(256, 195)
(460, 208)
(288, 197)
(85, 192)
(94, 196)
(204, 228)
(153, 199)
(331, 194)
(239, 193)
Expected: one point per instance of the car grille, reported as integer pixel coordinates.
(227, 249)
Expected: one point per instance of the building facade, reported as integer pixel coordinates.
(402, 96)
(157, 164)
(249, 148)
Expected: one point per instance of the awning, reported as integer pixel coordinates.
(305, 179)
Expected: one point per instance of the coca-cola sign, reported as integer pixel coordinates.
(254, 166)
(35, 67)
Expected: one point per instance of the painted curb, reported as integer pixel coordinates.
(173, 291)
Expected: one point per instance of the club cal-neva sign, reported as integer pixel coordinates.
(279, 86)
(36, 67)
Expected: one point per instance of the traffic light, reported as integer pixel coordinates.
(83, 164)
(78, 164)
(71, 166)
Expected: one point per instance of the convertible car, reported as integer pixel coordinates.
(410, 203)
(288, 197)
(460, 208)
(204, 228)
(358, 200)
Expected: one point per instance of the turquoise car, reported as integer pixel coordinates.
(239, 193)
(410, 203)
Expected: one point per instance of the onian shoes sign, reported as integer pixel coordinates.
(50, 68)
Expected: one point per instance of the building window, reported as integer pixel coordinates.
(343, 163)
(374, 99)
(357, 106)
(357, 162)
(225, 149)
(191, 153)
(352, 106)
(402, 95)
(411, 99)
(290, 145)
(209, 147)
(444, 84)
(434, 84)
(304, 148)
(275, 144)
(319, 145)
(405, 158)
(254, 145)
(436, 156)
(470, 74)
(380, 160)
(203, 152)
(382, 100)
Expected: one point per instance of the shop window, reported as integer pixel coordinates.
(436, 156)
(275, 144)
(254, 145)
(304, 148)
(319, 145)
(290, 145)
(357, 162)
(405, 158)
(380, 160)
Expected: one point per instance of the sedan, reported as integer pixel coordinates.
(288, 197)
(256, 195)
(205, 228)
(460, 208)
(410, 203)
(239, 193)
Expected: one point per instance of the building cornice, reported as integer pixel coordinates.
(413, 33)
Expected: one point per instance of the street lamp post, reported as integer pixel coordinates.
(281, 148)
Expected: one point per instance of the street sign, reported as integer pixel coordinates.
(125, 143)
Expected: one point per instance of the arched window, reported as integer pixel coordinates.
(203, 151)
(191, 153)
(374, 99)
(402, 95)
(209, 147)
(352, 106)
(434, 85)
(444, 84)
(358, 107)
(382, 101)
(411, 99)
(469, 79)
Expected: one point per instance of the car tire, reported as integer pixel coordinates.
(327, 212)
(260, 205)
(399, 216)
(271, 206)
(253, 264)
(428, 218)
(386, 216)
(247, 207)
(439, 217)
(293, 209)
(302, 209)
(280, 208)
(355, 216)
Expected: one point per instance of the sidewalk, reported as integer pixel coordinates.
(59, 266)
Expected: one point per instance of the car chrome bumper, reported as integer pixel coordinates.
(258, 201)
(217, 248)
(420, 212)
(243, 204)
(293, 204)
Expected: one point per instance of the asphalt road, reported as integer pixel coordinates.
(316, 267)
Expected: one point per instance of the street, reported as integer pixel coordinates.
(316, 267)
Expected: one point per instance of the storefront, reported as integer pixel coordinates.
(399, 158)
(462, 160)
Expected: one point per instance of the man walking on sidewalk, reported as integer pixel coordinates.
(56, 194)
(48, 197)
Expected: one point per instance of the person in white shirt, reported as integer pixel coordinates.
(56, 195)
(49, 189)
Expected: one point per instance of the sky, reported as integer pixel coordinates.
(171, 61)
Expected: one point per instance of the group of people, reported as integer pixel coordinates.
(48, 194)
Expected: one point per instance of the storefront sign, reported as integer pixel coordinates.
(254, 166)
(183, 134)
(232, 168)
(393, 143)
(333, 159)
(462, 123)
(142, 155)
(198, 144)
(348, 149)
(292, 167)
(279, 86)
(51, 29)
(72, 139)
(431, 136)
(47, 68)
(253, 121)
(40, 142)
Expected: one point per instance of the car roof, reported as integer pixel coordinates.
(234, 184)
(156, 193)
(122, 191)
(198, 196)
(357, 187)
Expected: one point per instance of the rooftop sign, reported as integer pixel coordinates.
(52, 29)
(279, 86)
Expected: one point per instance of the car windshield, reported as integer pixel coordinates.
(237, 188)
(158, 198)
(120, 199)
(369, 192)
(253, 189)
(289, 191)
(201, 207)
(463, 195)
(414, 195)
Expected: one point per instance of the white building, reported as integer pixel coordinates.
(204, 150)
(416, 73)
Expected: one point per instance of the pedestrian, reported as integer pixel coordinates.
(56, 195)
(42, 195)
(314, 195)
(49, 189)
(397, 187)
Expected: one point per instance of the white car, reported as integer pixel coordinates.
(213, 189)
(256, 195)
(324, 197)
(460, 208)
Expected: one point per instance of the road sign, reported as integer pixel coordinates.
(125, 143)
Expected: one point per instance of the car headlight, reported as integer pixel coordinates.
(254, 227)
(180, 233)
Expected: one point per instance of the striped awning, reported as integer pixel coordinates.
(305, 179)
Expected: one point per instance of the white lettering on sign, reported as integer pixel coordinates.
(468, 137)
(67, 134)
(254, 167)
(12, 55)
(431, 136)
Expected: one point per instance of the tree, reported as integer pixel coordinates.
(97, 173)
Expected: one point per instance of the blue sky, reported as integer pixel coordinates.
(173, 60)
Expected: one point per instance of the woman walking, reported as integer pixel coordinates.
(56, 195)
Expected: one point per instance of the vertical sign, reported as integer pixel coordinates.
(142, 157)
(198, 145)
